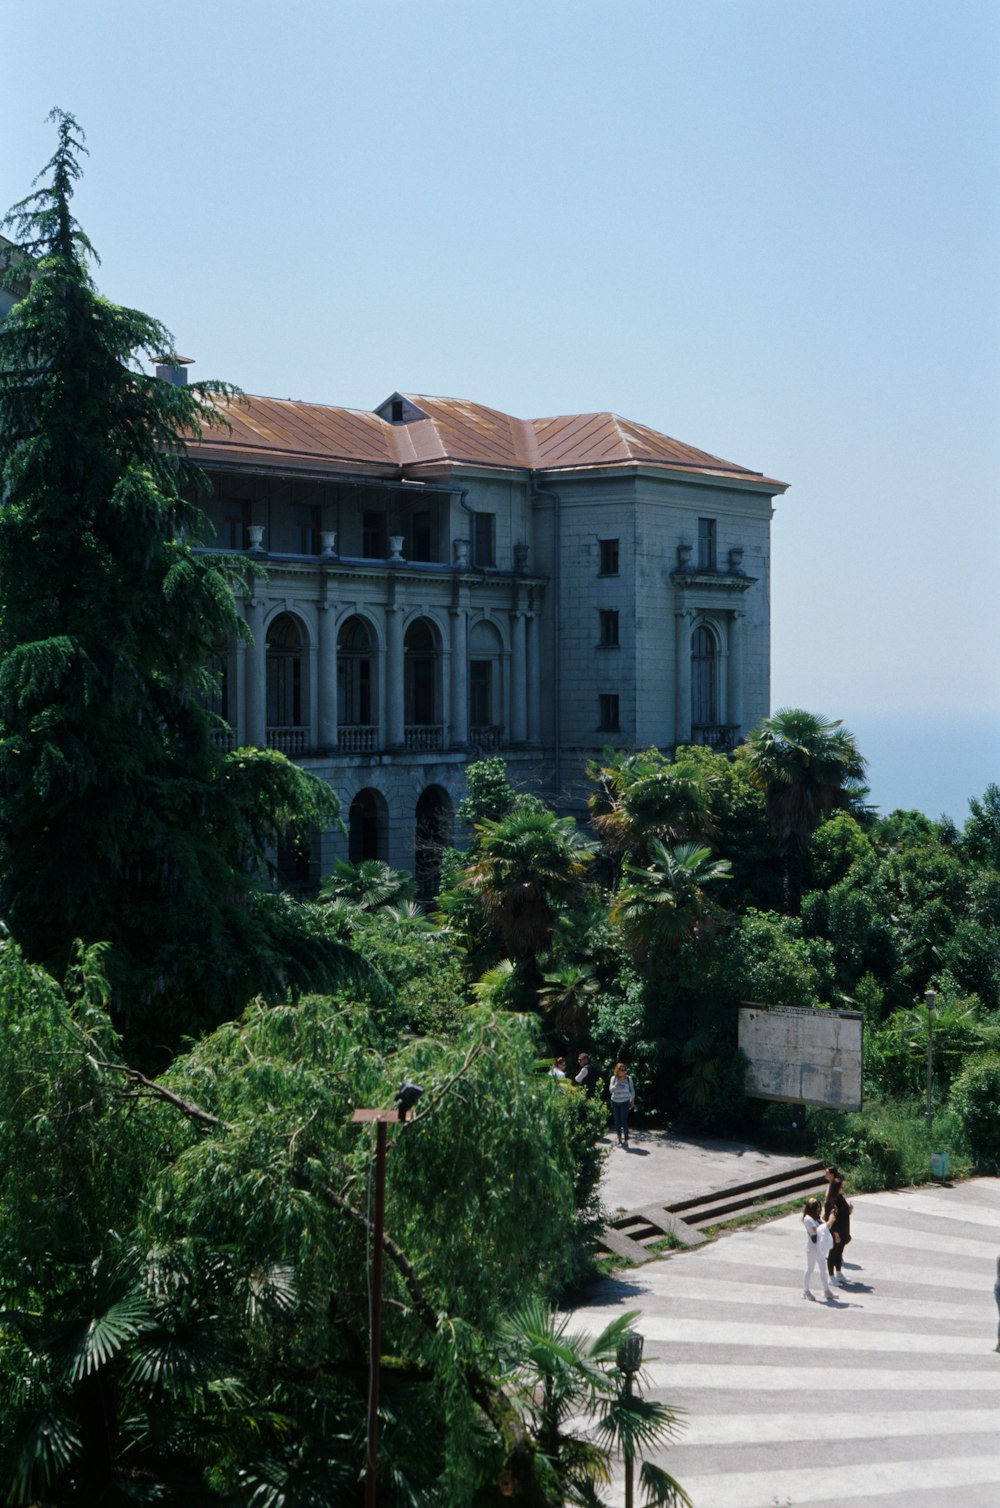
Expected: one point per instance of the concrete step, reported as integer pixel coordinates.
(631, 1233)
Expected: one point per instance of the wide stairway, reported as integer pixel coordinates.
(637, 1235)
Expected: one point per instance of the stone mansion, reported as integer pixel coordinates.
(440, 581)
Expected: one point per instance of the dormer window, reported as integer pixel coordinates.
(396, 411)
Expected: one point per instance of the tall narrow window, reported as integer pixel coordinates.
(420, 675)
(235, 523)
(609, 628)
(374, 534)
(284, 673)
(704, 678)
(485, 540)
(355, 655)
(706, 544)
(480, 693)
(307, 526)
(607, 706)
(421, 541)
(609, 557)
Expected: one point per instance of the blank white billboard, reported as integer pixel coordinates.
(807, 1056)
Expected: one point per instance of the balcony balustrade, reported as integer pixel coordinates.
(357, 738)
(292, 741)
(485, 738)
(722, 737)
(424, 738)
(224, 739)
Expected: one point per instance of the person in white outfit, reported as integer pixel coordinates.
(819, 1240)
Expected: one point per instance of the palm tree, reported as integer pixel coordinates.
(578, 1417)
(664, 904)
(646, 795)
(368, 886)
(806, 766)
(529, 868)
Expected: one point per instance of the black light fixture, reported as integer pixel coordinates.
(629, 1358)
(629, 1353)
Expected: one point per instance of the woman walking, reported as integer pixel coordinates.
(837, 1206)
(622, 1092)
(818, 1243)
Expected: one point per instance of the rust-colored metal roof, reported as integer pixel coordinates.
(446, 432)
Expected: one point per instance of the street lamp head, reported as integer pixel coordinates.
(629, 1354)
(407, 1097)
(930, 999)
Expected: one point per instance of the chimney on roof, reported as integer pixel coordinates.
(173, 368)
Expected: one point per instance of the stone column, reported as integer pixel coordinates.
(312, 690)
(327, 676)
(534, 678)
(239, 705)
(682, 684)
(459, 678)
(256, 675)
(395, 736)
(518, 679)
(734, 680)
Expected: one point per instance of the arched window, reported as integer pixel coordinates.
(485, 717)
(704, 679)
(355, 675)
(366, 826)
(433, 836)
(287, 728)
(421, 690)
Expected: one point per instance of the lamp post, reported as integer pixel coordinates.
(405, 1100)
(629, 1357)
(930, 1000)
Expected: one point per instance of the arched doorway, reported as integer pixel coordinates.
(704, 684)
(421, 695)
(357, 719)
(435, 824)
(485, 719)
(287, 722)
(366, 826)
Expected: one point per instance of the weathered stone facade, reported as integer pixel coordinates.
(439, 581)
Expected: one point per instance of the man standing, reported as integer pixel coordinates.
(588, 1077)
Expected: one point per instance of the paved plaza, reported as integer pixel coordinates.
(889, 1395)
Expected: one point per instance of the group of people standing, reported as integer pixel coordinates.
(828, 1232)
(621, 1089)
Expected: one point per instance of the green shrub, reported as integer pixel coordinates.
(867, 1155)
(975, 1100)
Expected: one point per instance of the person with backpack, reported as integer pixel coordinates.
(622, 1092)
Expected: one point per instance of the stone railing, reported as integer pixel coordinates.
(291, 740)
(424, 739)
(719, 736)
(486, 737)
(224, 739)
(357, 738)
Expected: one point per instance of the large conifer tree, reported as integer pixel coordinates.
(119, 819)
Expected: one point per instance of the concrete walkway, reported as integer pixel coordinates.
(888, 1396)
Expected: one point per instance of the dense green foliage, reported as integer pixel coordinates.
(184, 1261)
(122, 822)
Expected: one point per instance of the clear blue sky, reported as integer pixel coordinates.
(766, 227)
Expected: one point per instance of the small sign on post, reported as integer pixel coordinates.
(939, 1166)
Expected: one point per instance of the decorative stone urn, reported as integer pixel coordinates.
(328, 541)
(684, 556)
(736, 558)
(395, 549)
(256, 533)
(461, 549)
